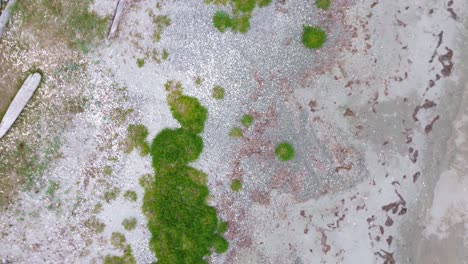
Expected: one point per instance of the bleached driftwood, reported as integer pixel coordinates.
(116, 20)
(21, 100)
(6, 14)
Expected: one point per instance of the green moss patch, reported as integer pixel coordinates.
(236, 185)
(247, 120)
(218, 92)
(175, 147)
(184, 228)
(313, 37)
(284, 151)
(323, 4)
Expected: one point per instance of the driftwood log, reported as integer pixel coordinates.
(116, 19)
(6, 14)
(21, 100)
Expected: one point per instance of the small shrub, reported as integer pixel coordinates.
(313, 37)
(247, 120)
(118, 240)
(323, 4)
(129, 223)
(284, 151)
(140, 63)
(218, 92)
(221, 21)
(236, 185)
(236, 132)
(130, 196)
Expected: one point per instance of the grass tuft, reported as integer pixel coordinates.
(313, 37)
(236, 132)
(127, 257)
(218, 93)
(247, 120)
(130, 196)
(323, 4)
(236, 185)
(129, 223)
(221, 21)
(284, 151)
(140, 63)
(136, 138)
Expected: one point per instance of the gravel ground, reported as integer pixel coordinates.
(377, 118)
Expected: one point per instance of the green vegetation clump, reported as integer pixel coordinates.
(313, 37)
(236, 185)
(97, 208)
(130, 196)
(160, 22)
(236, 132)
(180, 147)
(165, 54)
(222, 21)
(284, 151)
(136, 138)
(118, 240)
(111, 195)
(53, 186)
(323, 4)
(241, 13)
(94, 225)
(107, 170)
(140, 63)
(218, 92)
(127, 257)
(198, 81)
(129, 223)
(184, 228)
(71, 21)
(247, 120)
(187, 111)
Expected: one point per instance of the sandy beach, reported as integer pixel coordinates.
(377, 117)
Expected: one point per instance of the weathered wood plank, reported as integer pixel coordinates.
(21, 100)
(117, 17)
(6, 14)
